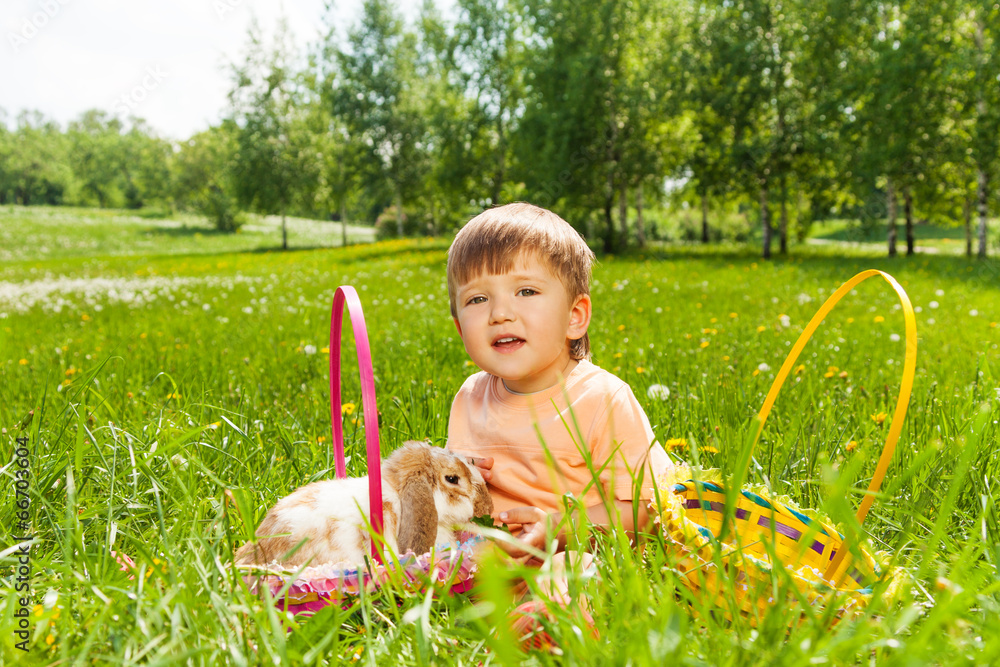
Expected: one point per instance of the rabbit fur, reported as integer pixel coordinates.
(426, 492)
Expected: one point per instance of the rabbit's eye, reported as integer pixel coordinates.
(451, 479)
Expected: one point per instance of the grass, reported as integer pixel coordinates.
(177, 392)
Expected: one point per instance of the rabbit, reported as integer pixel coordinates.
(426, 493)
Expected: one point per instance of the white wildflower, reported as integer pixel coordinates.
(763, 368)
(659, 391)
(309, 349)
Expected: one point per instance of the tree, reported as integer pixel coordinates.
(489, 52)
(202, 176)
(900, 101)
(373, 98)
(96, 157)
(581, 139)
(273, 162)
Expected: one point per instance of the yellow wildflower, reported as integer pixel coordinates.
(850, 320)
(347, 409)
(733, 315)
(85, 317)
(709, 450)
(828, 374)
(640, 370)
(50, 640)
(756, 372)
(843, 375)
(879, 318)
(675, 443)
(325, 350)
(704, 344)
(879, 417)
(38, 609)
(621, 327)
(23, 362)
(800, 368)
(761, 329)
(851, 446)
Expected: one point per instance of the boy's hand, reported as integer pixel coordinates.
(484, 465)
(534, 523)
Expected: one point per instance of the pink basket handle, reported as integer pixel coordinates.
(347, 294)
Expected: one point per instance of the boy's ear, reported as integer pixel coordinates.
(579, 317)
(458, 326)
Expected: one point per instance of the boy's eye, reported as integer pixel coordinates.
(527, 291)
(476, 299)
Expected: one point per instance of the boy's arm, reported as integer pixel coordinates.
(536, 524)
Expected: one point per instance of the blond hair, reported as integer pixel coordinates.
(496, 239)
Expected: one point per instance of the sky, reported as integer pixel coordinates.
(164, 61)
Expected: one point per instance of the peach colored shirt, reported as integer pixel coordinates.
(488, 420)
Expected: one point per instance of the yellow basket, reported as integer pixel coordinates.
(764, 532)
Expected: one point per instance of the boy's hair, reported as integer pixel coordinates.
(496, 239)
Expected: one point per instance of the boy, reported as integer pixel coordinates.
(519, 285)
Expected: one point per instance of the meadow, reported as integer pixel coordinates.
(170, 393)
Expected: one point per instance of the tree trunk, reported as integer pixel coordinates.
(891, 196)
(908, 210)
(765, 220)
(609, 227)
(399, 212)
(609, 223)
(623, 211)
(343, 222)
(981, 193)
(704, 217)
(783, 223)
(967, 214)
(284, 231)
(640, 228)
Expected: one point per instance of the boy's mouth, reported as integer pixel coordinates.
(507, 343)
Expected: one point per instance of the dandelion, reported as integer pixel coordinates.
(621, 327)
(659, 391)
(785, 320)
(309, 349)
(325, 350)
(850, 320)
(763, 367)
(23, 362)
(704, 344)
(347, 409)
(725, 358)
(843, 375)
(851, 446)
(675, 443)
(85, 317)
(761, 329)
(800, 368)
(709, 450)
(756, 372)
(933, 304)
(894, 338)
(973, 313)
(618, 355)
(879, 417)
(50, 640)
(38, 609)
(733, 316)
(640, 370)
(879, 318)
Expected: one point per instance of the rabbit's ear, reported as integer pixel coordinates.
(418, 516)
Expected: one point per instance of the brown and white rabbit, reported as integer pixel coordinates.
(426, 493)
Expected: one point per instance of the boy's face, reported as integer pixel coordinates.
(518, 325)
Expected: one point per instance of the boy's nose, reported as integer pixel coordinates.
(501, 312)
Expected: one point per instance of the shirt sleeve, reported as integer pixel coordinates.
(624, 435)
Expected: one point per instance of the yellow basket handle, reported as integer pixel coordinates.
(905, 387)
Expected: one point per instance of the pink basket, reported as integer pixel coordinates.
(319, 586)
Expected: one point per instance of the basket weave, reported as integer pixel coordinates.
(770, 542)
